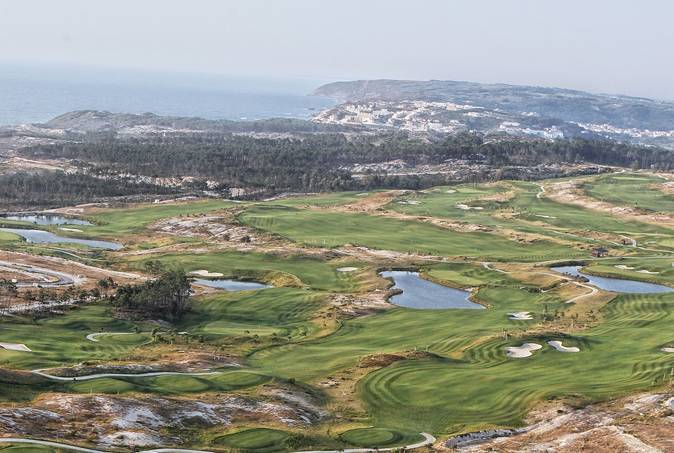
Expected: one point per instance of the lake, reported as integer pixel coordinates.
(230, 285)
(617, 285)
(45, 219)
(46, 237)
(423, 294)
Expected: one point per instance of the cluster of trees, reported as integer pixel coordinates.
(56, 188)
(166, 297)
(319, 162)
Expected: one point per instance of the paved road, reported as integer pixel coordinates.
(428, 440)
(89, 377)
(46, 443)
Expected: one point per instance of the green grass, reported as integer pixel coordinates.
(171, 384)
(331, 229)
(631, 190)
(316, 273)
(378, 437)
(116, 223)
(61, 339)
(259, 440)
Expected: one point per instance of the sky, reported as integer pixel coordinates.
(609, 46)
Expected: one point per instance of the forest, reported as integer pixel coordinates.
(306, 163)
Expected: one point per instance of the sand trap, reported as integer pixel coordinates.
(520, 352)
(94, 336)
(362, 194)
(205, 273)
(622, 266)
(644, 271)
(409, 202)
(465, 207)
(15, 347)
(451, 191)
(546, 216)
(346, 269)
(561, 348)
(520, 316)
(667, 349)
(70, 229)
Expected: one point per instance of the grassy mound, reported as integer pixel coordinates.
(378, 437)
(261, 440)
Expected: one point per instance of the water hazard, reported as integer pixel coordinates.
(617, 285)
(46, 237)
(424, 294)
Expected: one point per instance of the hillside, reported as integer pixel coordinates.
(451, 106)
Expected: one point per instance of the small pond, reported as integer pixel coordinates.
(424, 294)
(617, 285)
(230, 285)
(45, 219)
(46, 237)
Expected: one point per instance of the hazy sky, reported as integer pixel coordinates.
(618, 46)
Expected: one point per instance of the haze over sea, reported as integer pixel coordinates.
(37, 93)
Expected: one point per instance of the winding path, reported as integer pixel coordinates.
(428, 440)
(89, 377)
(46, 443)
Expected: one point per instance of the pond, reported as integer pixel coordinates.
(424, 294)
(230, 285)
(46, 237)
(45, 219)
(617, 285)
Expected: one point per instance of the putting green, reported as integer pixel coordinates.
(260, 440)
(378, 437)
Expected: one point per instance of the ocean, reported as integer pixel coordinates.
(37, 93)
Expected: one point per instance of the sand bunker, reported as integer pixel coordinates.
(667, 349)
(451, 191)
(205, 273)
(15, 347)
(645, 271)
(561, 348)
(94, 336)
(346, 269)
(622, 266)
(465, 207)
(409, 202)
(546, 216)
(520, 316)
(70, 229)
(520, 352)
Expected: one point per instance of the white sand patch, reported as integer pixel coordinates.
(451, 191)
(667, 349)
(206, 273)
(561, 348)
(465, 207)
(15, 347)
(520, 352)
(70, 229)
(546, 216)
(94, 336)
(412, 202)
(362, 194)
(520, 316)
(346, 269)
(622, 266)
(646, 271)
